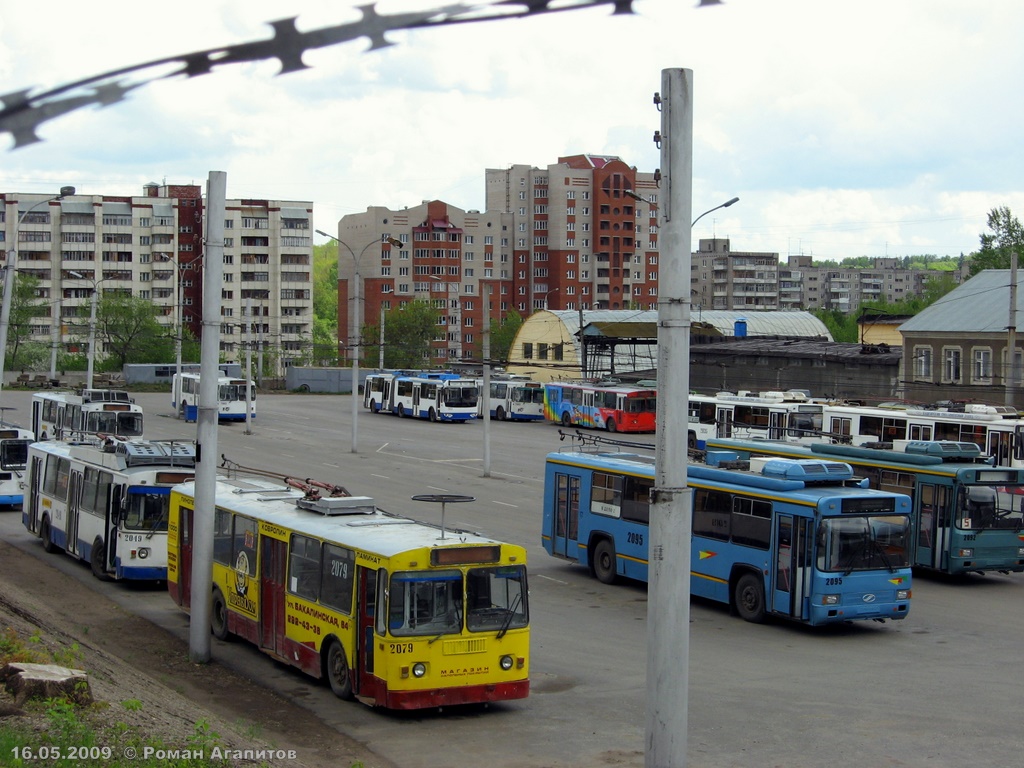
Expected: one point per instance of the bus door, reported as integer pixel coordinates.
(777, 425)
(792, 567)
(1000, 445)
(74, 494)
(415, 399)
(723, 420)
(273, 562)
(566, 517)
(186, 518)
(366, 600)
(32, 517)
(933, 518)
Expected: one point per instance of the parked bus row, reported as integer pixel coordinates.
(967, 513)
(67, 415)
(425, 395)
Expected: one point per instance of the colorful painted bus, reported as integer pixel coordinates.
(231, 397)
(388, 610)
(65, 415)
(433, 396)
(792, 539)
(614, 407)
(106, 503)
(968, 514)
(14, 443)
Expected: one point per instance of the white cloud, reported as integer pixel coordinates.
(866, 128)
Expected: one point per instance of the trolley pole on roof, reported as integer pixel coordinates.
(668, 611)
(206, 425)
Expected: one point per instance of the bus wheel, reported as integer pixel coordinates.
(401, 411)
(604, 562)
(432, 415)
(98, 560)
(337, 671)
(373, 407)
(691, 441)
(749, 598)
(610, 425)
(44, 533)
(499, 413)
(219, 615)
(566, 419)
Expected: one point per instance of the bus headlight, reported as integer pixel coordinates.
(419, 669)
(830, 599)
(965, 553)
(1020, 551)
(506, 663)
(902, 594)
(143, 553)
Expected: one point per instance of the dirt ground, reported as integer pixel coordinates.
(130, 659)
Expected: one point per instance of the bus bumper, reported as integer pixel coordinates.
(470, 694)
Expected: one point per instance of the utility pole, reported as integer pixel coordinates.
(206, 425)
(1012, 375)
(668, 612)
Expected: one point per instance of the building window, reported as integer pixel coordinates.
(981, 368)
(923, 363)
(951, 365)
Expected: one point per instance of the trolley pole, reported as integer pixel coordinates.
(668, 611)
(206, 425)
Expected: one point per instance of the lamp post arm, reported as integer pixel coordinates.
(723, 205)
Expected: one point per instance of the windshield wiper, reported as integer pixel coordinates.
(885, 557)
(508, 619)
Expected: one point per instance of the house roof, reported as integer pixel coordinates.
(980, 305)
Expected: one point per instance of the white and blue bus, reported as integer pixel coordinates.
(794, 539)
(433, 396)
(231, 397)
(14, 443)
(512, 400)
(106, 503)
(65, 415)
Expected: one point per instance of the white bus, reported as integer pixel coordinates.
(790, 416)
(514, 400)
(231, 397)
(433, 396)
(65, 415)
(106, 504)
(14, 443)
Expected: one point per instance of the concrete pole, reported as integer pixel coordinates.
(91, 360)
(54, 338)
(206, 426)
(668, 612)
(1012, 375)
(355, 336)
(248, 366)
(380, 357)
(486, 394)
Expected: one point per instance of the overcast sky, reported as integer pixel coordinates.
(877, 127)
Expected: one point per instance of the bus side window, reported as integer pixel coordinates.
(222, 537)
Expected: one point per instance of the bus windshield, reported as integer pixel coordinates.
(497, 598)
(115, 423)
(233, 392)
(528, 395)
(425, 603)
(14, 454)
(991, 506)
(863, 543)
(459, 397)
(147, 509)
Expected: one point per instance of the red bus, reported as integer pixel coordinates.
(616, 408)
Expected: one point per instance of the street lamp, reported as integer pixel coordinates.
(548, 293)
(723, 205)
(9, 269)
(355, 334)
(92, 324)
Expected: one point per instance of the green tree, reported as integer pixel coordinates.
(325, 304)
(1005, 238)
(408, 331)
(26, 311)
(503, 334)
(841, 325)
(128, 329)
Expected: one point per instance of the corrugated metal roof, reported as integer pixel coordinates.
(294, 213)
(67, 206)
(117, 208)
(980, 305)
(798, 323)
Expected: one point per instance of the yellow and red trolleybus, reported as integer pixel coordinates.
(396, 613)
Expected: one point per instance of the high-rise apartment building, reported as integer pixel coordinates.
(151, 246)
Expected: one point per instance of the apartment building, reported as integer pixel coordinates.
(151, 246)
